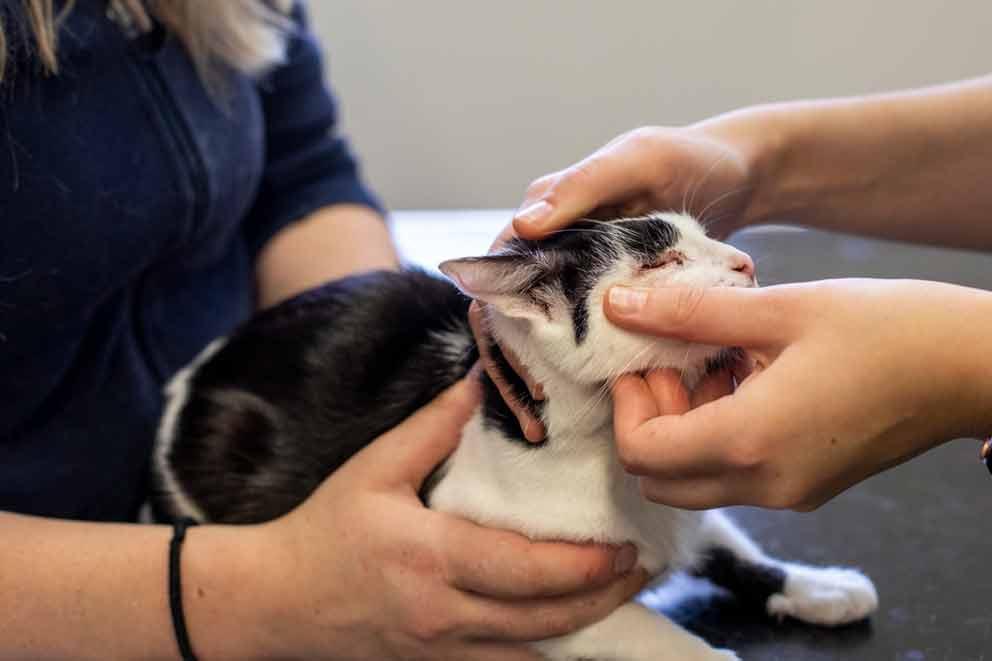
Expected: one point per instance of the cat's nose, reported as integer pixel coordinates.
(742, 263)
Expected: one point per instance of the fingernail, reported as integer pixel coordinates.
(475, 374)
(626, 559)
(626, 300)
(535, 214)
(533, 433)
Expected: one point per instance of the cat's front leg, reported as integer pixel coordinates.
(827, 596)
(632, 633)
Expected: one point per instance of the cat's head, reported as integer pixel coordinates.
(546, 297)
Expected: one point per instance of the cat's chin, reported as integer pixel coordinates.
(691, 366)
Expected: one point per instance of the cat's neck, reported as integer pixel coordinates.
(575, 412)
(571, 411)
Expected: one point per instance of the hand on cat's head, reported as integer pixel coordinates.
(706, 170)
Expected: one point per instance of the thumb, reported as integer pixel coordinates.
(724, 316)
(603, 178)
(407, 453)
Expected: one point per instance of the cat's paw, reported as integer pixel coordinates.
(828, 596)
(725, 655)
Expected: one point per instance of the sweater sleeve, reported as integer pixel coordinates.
(309, 164)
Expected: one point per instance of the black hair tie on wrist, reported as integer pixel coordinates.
(176, 588)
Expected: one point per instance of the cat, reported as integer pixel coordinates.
(262, 417)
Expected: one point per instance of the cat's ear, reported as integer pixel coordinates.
(502, 281)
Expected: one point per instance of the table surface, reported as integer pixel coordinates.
(919, 530)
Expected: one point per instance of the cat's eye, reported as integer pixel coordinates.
(665, 259)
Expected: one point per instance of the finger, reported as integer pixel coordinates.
(668, 391)
(538, 619)
(505, 235)
(409, 452)
(695, 494)
(712, 387)
(636, 401)
(507, 565)
(535, 191)
(725, 316)
(605, 177)
(679, 447)
(531, 426)
(633, 402)
(535, 389)
(749, 365)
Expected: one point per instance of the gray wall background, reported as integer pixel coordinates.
(460, 103)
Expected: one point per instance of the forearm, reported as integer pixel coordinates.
(92, 590)
(910, 165)
(967, 354)
(329, 244)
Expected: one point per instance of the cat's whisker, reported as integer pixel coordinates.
(615, 225)
(720, 198)
(604, 390)
(702, 181)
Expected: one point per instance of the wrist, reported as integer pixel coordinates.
(976, 368)
(227, 593)
(759, 135)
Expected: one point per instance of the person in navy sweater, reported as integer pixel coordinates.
(163, 173)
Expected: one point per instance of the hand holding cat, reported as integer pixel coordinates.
(365, 571)
(850, 377)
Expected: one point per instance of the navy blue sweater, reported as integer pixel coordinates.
(133, 205)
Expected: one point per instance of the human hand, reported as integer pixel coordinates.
(531, 426)
(707, 169)
(362, 570)
(849, 378)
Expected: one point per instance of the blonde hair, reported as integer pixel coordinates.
(248, 35)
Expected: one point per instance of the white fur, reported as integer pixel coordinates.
(574, 488)
(177, 392)
(828, 596)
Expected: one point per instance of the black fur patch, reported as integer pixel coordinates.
(299, 389)
(646, 239)
(753, 583)
(576, 283)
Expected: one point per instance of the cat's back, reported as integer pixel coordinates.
(260, 420)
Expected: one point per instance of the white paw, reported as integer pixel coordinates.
(826, 596)
(725, 655)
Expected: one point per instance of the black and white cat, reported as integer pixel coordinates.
(261, 418)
